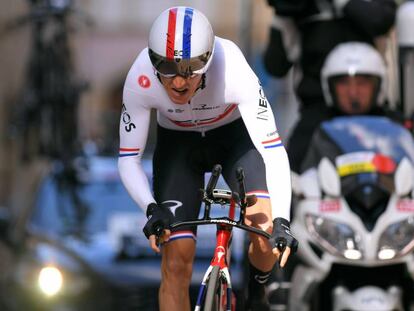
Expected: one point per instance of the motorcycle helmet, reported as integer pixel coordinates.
(181, 42)
(353, 59)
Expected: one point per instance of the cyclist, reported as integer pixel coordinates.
(210, 109)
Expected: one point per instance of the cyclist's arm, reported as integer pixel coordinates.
(258, 118)
(133, 132)
(265, 137)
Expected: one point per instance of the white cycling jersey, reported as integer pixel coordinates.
(232, 90)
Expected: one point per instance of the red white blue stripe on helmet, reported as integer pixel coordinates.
(188, 18)
(128, 152)
(172, 20)
(186, 24)
(272, 143)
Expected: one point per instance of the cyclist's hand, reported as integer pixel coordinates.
(282, 240)
(155, 241)
(157, 227)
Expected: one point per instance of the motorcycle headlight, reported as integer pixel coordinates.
(50, 280)
(53, 280)
(337, 238)
(397, 239)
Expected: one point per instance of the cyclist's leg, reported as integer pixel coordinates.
(242, 153)
(177, 180)
(176, 269)
(260, 254)
(260, 214)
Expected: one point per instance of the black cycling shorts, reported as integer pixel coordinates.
(182, 158)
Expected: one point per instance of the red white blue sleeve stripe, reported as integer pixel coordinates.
(128, 152)
(277, 142)
(260, 194)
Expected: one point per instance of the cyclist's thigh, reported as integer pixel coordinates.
(244, 154)
(176, 177)
(260, 214)
(240, 152)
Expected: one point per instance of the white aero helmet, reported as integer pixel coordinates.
(354, 58)
(181, 42)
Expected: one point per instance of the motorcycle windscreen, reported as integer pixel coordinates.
(366, 151)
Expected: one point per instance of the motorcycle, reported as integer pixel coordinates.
(354, 218)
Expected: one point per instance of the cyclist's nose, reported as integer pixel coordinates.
(178, 82)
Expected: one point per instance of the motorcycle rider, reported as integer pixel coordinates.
(354, 82)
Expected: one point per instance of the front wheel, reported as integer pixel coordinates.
(211, 302)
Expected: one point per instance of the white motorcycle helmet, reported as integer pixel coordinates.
(181, 42)
(354, 58)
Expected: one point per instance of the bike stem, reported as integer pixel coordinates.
(223, 237)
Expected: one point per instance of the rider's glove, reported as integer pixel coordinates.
(159, 218)
(281, 235)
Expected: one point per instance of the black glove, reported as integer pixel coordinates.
(281, 235)
(159, 218)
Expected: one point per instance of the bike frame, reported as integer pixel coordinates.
(221, 253)
(220, 259)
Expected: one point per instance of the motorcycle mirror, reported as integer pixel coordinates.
(405, 22)
(405, 39)
(329, 178)
(309, 184)
(296, 188)
(403, 178)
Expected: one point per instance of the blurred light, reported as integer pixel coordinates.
(50, 280)
(397, 239)
(337, 238)
(386, 253)
(352, 254)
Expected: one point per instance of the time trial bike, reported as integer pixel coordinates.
(215, 292)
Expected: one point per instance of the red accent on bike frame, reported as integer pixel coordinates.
(222, 240)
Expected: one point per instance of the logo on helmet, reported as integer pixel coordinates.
(144, 81)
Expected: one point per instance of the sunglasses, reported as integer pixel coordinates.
(173, 75)
(185, 67)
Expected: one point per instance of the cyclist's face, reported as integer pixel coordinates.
(180, 89)
(354, 94)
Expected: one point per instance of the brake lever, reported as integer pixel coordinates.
(158, 233)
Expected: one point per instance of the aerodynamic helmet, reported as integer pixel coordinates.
(181, 42)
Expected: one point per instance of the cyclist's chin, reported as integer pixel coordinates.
(180, 98)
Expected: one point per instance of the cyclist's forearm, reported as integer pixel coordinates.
(135, 181)
(278, 182)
